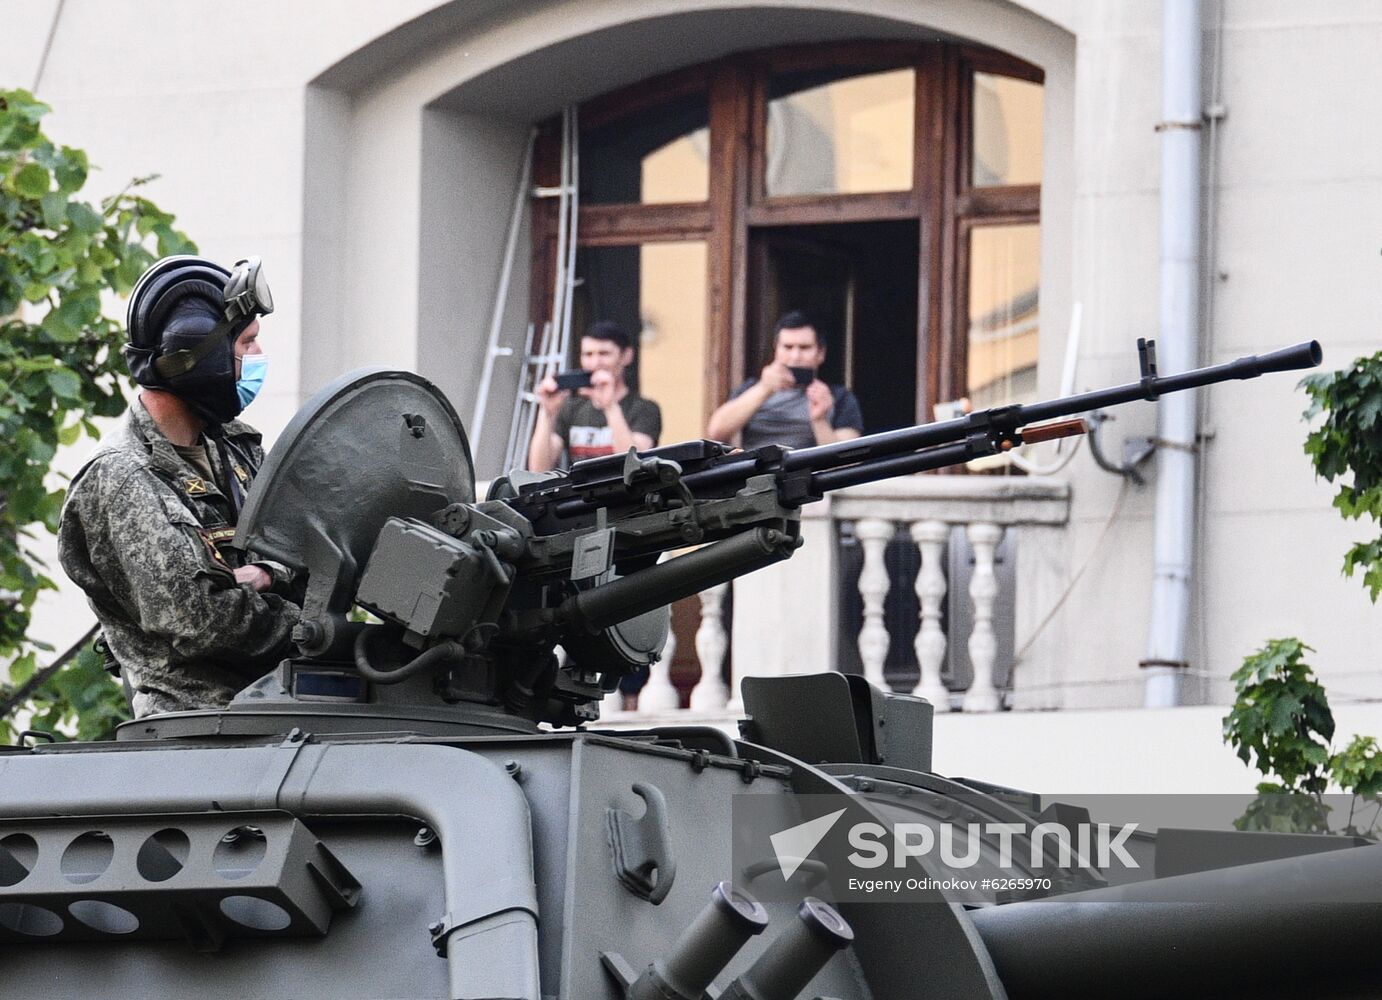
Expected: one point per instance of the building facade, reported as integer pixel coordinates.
(950, 187)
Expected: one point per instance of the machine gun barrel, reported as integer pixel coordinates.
(1306, 354)
(681, 577)
(950, 442)
(1150, 386)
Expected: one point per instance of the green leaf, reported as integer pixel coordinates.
(57, 326)
(40, 452)
(170, 241)
(129, 272)
(1372, 580)
(32, 181)
(1358, 768)
(84, 218)
(71, 170)
(54, 207)
(24, 104)
(1283, 716)
(46, 153)
(65, 384)
(23, 668)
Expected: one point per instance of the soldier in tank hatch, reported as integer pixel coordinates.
(148, 521)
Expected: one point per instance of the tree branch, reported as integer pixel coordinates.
(22, 693)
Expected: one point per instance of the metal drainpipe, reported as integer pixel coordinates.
(1178, 347)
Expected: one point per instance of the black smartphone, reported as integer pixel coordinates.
(804, 376)
(578, 379)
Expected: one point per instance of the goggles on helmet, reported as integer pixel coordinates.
(247, 290)
(247, 297)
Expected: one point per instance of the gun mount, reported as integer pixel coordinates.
(527, 607)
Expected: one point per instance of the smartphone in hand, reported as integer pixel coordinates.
(578, 379)
(804, 376)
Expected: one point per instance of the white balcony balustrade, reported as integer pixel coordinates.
(787, 618)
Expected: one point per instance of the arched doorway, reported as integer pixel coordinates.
(890, 189)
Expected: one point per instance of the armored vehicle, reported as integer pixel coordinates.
(421, 803)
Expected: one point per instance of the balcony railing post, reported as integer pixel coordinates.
(983, 645)
(874, 534)
(790, 614)
(711, 693)
(930, 537)
(659, 694)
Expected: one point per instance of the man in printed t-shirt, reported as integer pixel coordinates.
(603, 419)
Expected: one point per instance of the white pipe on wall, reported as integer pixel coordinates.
(1178, 350)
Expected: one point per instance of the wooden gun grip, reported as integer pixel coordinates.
(1052, 431)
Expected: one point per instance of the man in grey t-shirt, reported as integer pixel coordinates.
(774, 409)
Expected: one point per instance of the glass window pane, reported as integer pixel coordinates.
(672, 307)
(655, 156)
(828, 135)
(1007, 131)
(1004, 264)
(658, 289)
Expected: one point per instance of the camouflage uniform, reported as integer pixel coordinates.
(146, 536)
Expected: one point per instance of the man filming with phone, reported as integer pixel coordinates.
(787, 404)
(592, 412)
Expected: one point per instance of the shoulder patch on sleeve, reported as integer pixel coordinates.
(206, 535)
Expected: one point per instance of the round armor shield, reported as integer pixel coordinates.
(371, 445)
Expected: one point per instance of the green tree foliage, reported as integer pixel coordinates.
(1281, 723)
(60, 366)
(1281, 716)
(1349, 442)
(80, 700)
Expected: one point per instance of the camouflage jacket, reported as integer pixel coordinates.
(146, 536)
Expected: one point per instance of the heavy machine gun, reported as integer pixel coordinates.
(369, 496)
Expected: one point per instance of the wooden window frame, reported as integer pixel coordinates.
(999, 205)
(942, 199)
(787, 210)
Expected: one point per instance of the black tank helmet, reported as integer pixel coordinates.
(184, 315)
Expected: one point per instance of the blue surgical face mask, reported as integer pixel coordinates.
(253, 368)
